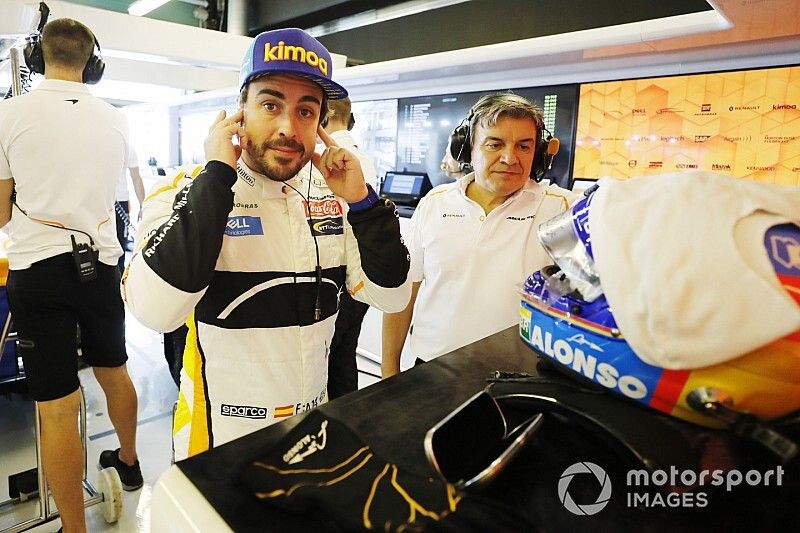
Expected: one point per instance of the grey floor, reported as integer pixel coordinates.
(157, 394)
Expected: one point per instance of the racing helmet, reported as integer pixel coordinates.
(566, 317)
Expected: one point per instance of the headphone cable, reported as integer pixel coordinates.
(54, 225)
(318, 268)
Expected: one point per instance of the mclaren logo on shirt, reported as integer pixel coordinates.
(241, 226)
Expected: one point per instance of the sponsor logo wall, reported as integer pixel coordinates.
(745, 124)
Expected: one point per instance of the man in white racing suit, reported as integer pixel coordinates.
(252, 253)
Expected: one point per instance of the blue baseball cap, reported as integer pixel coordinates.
(290, 51)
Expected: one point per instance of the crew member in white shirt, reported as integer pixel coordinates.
(63, 149)
(342, 368)
(339, 123)
(474, 240)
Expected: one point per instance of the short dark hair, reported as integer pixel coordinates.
(323, 108)
(67, 43)
(490, 107)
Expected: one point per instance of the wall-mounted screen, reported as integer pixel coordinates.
(425, 123)
(375, 132)
(745, 124)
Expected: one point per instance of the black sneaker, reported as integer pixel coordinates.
(131, 476)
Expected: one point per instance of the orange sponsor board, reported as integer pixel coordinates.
(745, 124)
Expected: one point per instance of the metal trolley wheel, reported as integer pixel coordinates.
(111, 488)
(108, 494)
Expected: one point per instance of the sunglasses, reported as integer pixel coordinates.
(472, 445)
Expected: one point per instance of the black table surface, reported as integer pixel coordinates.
(393, 415)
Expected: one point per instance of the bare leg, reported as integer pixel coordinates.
(122, 407)
(62, 458)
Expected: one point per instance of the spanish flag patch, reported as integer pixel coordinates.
(283, 411)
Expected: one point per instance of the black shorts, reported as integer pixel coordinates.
(47, 304)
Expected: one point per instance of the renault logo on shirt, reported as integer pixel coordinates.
(241, 226)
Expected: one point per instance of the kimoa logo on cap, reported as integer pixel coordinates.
(284, 52)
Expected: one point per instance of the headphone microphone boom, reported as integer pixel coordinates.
(552, 149)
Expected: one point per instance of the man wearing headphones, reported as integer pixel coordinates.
(253, 252)
(57, 185)
(473, 240)
(342, 368)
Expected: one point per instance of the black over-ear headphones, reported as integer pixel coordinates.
(34, 58)
(461, 146)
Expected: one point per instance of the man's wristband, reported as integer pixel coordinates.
(366, 203)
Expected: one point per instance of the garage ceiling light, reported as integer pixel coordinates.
(142, 7)
(374, 16)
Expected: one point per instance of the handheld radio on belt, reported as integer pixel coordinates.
(85, 257)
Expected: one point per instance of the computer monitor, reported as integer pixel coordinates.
(405, 188)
